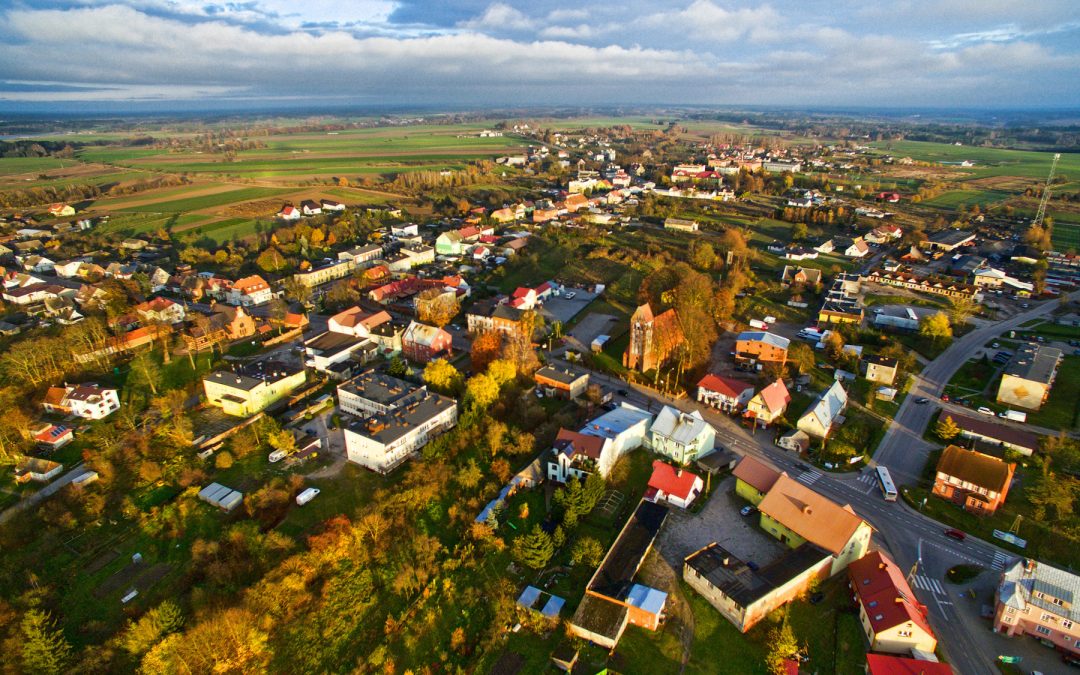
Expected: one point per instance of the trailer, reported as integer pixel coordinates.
(306, 496)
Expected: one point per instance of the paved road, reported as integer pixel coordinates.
(903, 449)
(36, 498)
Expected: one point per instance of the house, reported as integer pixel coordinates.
(883, 234)
(794, 440)
(769, 404)
(613, 600)
(503, 215)
(852, 248)
(289, 212)
(881, 369)
(61, 210)
(893, 620)
(52, 436)
(248, 390)
(422, 343)
(996, 435)
(626, 427)
(374, 393)
(450, 243)
(503, 318)
(356, 321)
(652, 338)
(795, 514)
(673, 485)
(1036, 599)
(133, 244)
(973, 480)
(309, 207)
(825, 412)
(681, 224)
(683, 437)
(362, 256)
(827, 246)
(336, 353)
(752, 347)
(224, 324)
(384, 441)
(388, 337)
(410, 256)
(37, 469)
(561, 382)
(325, 272)
(89, 401)
(160, 310)
(745, 595)
(1029, 376)
(888, 664)
(249, 292)
(724, 393)
(802, 276)
(754, 479)
(331, 205)
(576, 455)
(946, 286)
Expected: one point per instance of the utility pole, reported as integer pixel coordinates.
(1041, 213)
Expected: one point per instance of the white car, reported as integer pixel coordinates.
(570, 295)
(986, 411)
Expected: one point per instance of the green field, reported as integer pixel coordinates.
(203, 201)
(15, 165)
(988, 161)
(1066, 236)
(956, 198)
(133, 224)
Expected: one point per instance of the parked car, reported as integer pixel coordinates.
(922, 400)
(570, 295)
(802, 467)
(945, 397)
(996, 345)
(955, 534)
(986, 411)
(746, 510)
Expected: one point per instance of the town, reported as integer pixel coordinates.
(665, 394)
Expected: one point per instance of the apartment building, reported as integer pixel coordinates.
(1036, 599)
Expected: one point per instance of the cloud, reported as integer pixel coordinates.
(704, 19)
(500, 17)
(1008, 33)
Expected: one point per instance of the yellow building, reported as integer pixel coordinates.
(753, 480)
(253, 389)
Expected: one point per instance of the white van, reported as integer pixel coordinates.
(306, 496)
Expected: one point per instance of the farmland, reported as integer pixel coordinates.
(989, 162)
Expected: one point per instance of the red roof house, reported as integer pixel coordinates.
(892, 617)
(887, 664)
(673, 485)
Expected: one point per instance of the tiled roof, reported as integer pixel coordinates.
(775, 396)
(756, 474)
(810, 515)
(727, 386)
(677, 482)
(974, 467)
(884, 593)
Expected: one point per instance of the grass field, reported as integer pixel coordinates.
(16, 165)
(957, 198)
(201, 202)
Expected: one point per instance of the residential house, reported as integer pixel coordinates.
(503, 318)
(769, 404)
(626, 427)
(61, 210)
(884, 234)
(801, 276)
(160, 310)
(652, 338)
(1036, 599)
(754, 479)
(561, 382)
(724, 393)
(987, 433)
(613, 600)
(225, 324)
(251, 389)
(744, 595)
(1029, 376)
(881, 369)
(681, 224)
(356, 321)
(973, 480)
(249, 292)
(752, 347)
(37, 469)
(289, 212)
(330, 205)
(52, 436)
(794, 440)
(89, 401)
(852, 247)
(310, 207)
(422, 343)
(325, 272)
(673, 485)
(825, 413)
(893, 620)
(384, 441)
(408, 257)
(450, 243)
(388, 337)
(683, 437)
(889, 664)
(362, 256)
(576, 455)
(336, 354)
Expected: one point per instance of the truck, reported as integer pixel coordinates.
(306, 496)
(1014, 415)
(755, 323)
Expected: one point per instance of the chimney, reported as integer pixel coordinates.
(678, 472)
(806, 509)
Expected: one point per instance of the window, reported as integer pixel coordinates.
(1066, 624)
(1057, 601)
(1043, 630)
(904, 633)
(1047, 617)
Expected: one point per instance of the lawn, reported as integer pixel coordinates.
(974, 375)
(1066, 236)
(988, 161)
(1063, 406)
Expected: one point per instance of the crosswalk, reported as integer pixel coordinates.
(927, 584)
(1000, 560)
(808, 477)
(868, 478)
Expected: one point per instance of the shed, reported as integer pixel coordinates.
(528, 597)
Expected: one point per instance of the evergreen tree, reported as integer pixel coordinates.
(534, 549)
(45, 650)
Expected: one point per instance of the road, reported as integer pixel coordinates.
(36, 498)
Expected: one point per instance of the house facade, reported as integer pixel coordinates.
(724, 393)
(973, 480)
(384, 441)
(576, 455)
(88, 401)
(422, 343)
(242, 394)
(673, 485)
(1028, 377)
(249, 292)
(893, 620)
(1036, 599)
(682, 437)
(880, 369)
(825, 413)
(561, 382)
(769, 404)
(761, 347)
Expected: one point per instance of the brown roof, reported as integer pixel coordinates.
(756, 474)
(974, 467)
(590, 446)
(998, 432)
(55, 396)
(810, 515)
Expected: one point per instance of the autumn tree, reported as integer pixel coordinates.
(782, 646)
(946, 429)
(443, 377)
(961, 309)
(482, 391)
(436, 307)
(587, 551)
(801, 356)
(44, 648)
(140, 636)
(834, 345)
(936, 328)
(271, 260)
(485, 348)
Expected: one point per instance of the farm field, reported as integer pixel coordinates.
(196, 203)
(989, 162)
(955, 198)
(1066, 236)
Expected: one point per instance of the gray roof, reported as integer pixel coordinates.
(736, 580)
(1034, 363)
(1025, 578)
(379, 387)
(763, 336)
(566, 376)
(615, 422)
(250, 376)
(417, 409)
(951, 237)
(332, 343)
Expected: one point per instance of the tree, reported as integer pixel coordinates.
(802, 357)
(834, 345)
(702, 255)
(946, 429)
(782, 646)
(397, 367)
(534, 549)
(798, 232)
(141, 636)
(271, 260)
(442, 376)
(587, 551)
(482, 390)
(936, 327)
(146, 371)
(502, 371)
(436, 307)
(44, 648)
(470, 475)
(485, 348)
(961, 309)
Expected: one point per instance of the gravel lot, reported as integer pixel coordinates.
(719, 521)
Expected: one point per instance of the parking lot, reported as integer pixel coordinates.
(561, 308)
(721, 522)
(592, 325)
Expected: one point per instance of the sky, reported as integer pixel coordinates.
(477, 53)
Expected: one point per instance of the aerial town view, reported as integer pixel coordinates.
(409, 337)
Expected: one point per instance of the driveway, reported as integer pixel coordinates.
(719, 521)
(591, 326)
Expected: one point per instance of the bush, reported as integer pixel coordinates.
(223, 460)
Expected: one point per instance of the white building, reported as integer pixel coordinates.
(684, 437)
(383, 442)
(626, 427)
(825, 412)
(89, 401)
(373, 393)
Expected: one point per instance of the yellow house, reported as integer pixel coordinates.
(893, 620)
(252, 390)
(753, 479)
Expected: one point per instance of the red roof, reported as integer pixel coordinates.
(675, 482)
(756, 474)
(590, 446)
(885, 594)
(887, 664)
(776, 396)
(728, 386)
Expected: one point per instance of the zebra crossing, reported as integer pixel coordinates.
(868, 478)
(809, 477)
(927, 584)
(1000, 560)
